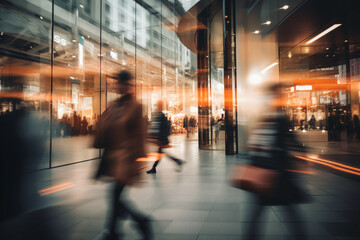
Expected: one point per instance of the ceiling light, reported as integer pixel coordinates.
(346, 40)
(268, 67)
(285, 7)
(256, 31)
(41, 17)
(327, 48)
(323, 33)
(74, 40)
(74, 56)
(82, 6)
(267, 23)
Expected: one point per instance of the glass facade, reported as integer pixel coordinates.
(310, 48)
(59, 57)
(320, 73)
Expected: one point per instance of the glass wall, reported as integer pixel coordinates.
(25, 69)
(311, 48)
(76, 80)
(321, 75)
(58, 60)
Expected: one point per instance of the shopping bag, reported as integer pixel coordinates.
(253, 179)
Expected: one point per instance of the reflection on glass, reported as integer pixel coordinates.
(25, 72)
(322, 100)
(91, 41)
(217, 83)
(76, 81)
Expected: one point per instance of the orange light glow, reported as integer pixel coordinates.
(332, 165)
(338, 164)
(56, 188)
(300, 171)
(151, 157)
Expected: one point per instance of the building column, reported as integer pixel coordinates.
(231, 146)
(203, 89)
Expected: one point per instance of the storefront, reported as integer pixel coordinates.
(58, 59)
(309, 47)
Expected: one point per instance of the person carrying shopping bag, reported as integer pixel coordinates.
(268, 176)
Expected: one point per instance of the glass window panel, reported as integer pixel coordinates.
(76, 81)
(25, 73)
(118, 38)
(217, 82)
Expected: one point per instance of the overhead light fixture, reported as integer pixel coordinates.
(82, 6)
(267, 22)
(324, 33)
(74, 40)
(285, 7)
(256, 31)
(268, 67)
(346, 40)
(41, 17)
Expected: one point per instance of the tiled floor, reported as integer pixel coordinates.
(195, 204)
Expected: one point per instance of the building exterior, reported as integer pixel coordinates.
(207, 59)
(307, 46)
(58, 57)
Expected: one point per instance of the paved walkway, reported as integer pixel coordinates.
(196, 204)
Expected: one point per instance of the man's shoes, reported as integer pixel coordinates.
(180, 163)
(151, 171)
(145, 229)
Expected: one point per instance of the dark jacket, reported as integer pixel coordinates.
(269, 146)
(159, 128)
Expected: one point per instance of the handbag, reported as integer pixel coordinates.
(253, 179)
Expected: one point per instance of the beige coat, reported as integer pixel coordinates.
(123, 138)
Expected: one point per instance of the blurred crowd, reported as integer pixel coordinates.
(75, 125)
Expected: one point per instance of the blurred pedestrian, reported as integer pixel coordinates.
(349, 128)
(269, 147)
(22, 145)
(122, 135)
(312, 122)
(357, 126)
(159, 131)
(186, 125)
(217, 130)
